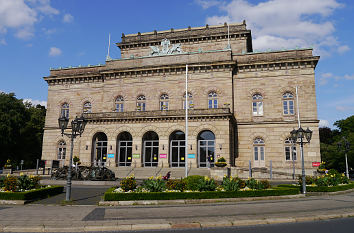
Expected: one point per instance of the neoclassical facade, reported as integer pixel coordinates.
(242, 104)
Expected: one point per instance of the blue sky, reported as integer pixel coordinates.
(38, 34)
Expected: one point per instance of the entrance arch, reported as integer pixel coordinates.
(206, 149)
(150, 149)
(99, 148)
(177, 149)
(124, 149)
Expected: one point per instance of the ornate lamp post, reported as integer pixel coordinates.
(345, 146)
(77, 128)
(298, 136)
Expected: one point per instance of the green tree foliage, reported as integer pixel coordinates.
(330, 153)
(21, 130)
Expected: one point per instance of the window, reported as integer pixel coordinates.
(164, 102)
(140, 103)
(190, 101)
(258, 152)
(290, 150)
(87, 107)
(212, 100)
(257, 105)
(64, 111)
(119, 104)
(288, 104)
(61, 150)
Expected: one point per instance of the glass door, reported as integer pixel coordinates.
(151, 151)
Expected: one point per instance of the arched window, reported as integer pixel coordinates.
(290, 150)
(64, 111)
(119, 102)
(206, 149)
(257, 105)
(288, 104)
(190, 101)
(258, 152)
(164, 102)
(212, 100)
(124, 149)
(140, 103)
(61, 150)
(87, 107)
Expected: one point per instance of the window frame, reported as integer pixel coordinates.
(288, 104)
(87, 109)
(164, 102)
(190, 101)
(257, 104)
(141, 103)
(65, 110)
(258, 148)
(61, 150)
(119, 103)
(289, 147)
(212, 100)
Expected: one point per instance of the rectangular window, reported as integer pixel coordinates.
(291, 107)
(210, 104)
(285, 107)
(119, 107)
(191, 105)
(262, 153)
(287, 153)
(163, 105)
(140, 106)
(256, 153)
(215, 103)
(294, 153)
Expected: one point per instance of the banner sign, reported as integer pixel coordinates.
(163, 156)
(136, 156)
(110, 155)
(316, 164)
(191, 156)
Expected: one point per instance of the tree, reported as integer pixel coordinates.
(330, 152)
(21, 130)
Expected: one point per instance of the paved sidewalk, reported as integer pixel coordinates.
(39, 218)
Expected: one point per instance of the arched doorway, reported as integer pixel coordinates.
(150, 149)
(124, 149)
(177, 149)
(206, 149)
(99, 149)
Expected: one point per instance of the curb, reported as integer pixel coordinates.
(165, 226)
(196, 201)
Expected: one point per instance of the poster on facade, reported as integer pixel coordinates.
(163, 156)
(136, 156)
(110, 156)
(191, 156)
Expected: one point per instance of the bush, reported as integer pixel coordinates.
(10, 183)
(232, 184)
(128, 183)
(154, 185)
(264, 184)
(192, 182)
(207, 184)
(221, 160)
(309, 180)
(111, 196)
(176, 185)
(27, 183)
(2, 178)
(32, 194)
(252, 183)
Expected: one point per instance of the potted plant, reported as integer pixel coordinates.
(221, 162)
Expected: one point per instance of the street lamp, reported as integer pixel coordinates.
(345, 145)
(298, 136)
(77, 128)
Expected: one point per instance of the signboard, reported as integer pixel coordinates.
(136, 156)
(191, 156)
(163, 156)
(316, 164)
(110, 155)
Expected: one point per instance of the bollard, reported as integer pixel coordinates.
(37, 166)
(250, 169)
(228, 172)
(271, 170)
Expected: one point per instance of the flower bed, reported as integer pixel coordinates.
(193, 187)
(314, 188)
(25, 188)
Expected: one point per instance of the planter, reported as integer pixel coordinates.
(220, 164)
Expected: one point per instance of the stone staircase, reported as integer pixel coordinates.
(146, 172)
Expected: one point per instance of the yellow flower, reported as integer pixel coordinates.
(21, 173)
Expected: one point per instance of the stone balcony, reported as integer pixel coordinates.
(159, 115)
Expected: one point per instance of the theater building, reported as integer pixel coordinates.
(242, 104)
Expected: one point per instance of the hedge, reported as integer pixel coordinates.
(32, 194)
(112, 196)
(320, 189)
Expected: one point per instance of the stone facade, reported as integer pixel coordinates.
(221, 67)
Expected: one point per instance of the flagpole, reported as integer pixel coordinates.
(186, 134)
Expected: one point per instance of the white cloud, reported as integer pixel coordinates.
(205, 4)
(325, 77)
(323, 123)
(22, 15)
(54, 51)
(35, 102)
(68, 18)
(278, 24)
